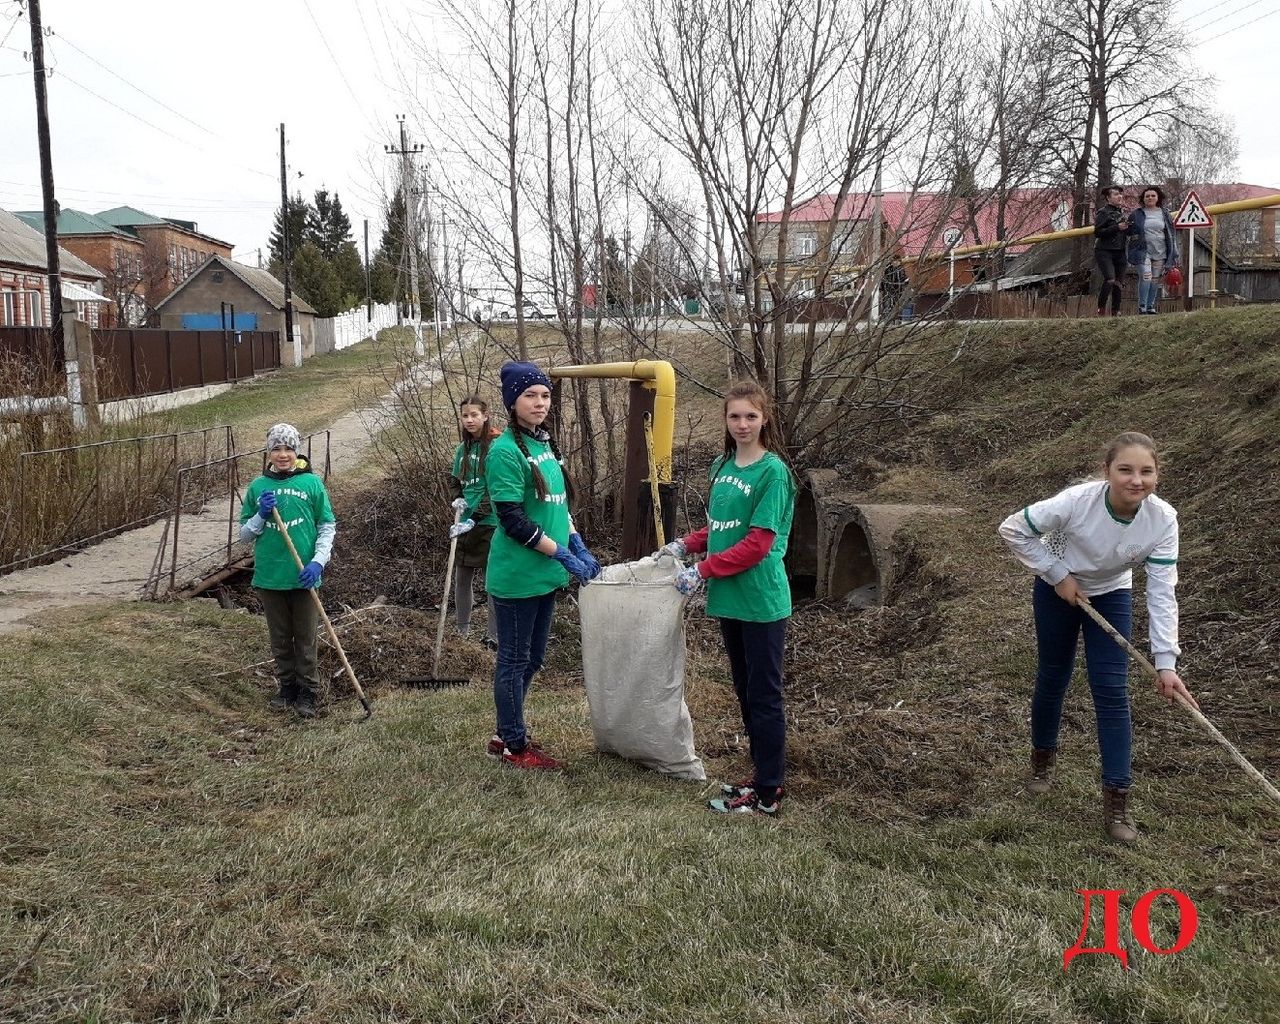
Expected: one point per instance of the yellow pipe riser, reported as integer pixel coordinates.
(659, 376)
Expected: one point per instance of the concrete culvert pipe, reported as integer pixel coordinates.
(846, 543)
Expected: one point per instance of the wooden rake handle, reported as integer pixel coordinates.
(444, 599)
(333, 633)
(1193, 711)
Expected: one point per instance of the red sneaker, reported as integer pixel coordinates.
(495, 746)
(531, 758)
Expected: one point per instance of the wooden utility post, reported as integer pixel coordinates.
(46, 181)
(284, 249)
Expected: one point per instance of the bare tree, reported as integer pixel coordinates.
(767, 105)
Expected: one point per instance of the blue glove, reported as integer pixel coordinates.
(688, 580)
(573, 563)
(458, 529)
(584, 556)
(266, 502)
(310, 575)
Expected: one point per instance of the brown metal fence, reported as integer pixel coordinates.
(134, 363)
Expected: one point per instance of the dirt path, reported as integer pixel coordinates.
(117, 568)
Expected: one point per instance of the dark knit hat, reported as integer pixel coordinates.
(517, 378)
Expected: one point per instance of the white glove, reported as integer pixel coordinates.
(688, 580)
(458, 504)
(675, 549)
(458, 529)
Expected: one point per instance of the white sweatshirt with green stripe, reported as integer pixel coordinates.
(1077, 532)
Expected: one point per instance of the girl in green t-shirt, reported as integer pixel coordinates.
(476, 517)
(749, 510)
(533, 553)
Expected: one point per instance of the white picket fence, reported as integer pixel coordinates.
(347, 329)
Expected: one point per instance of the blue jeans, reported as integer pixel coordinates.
(523, 625)
(1058, 626)
(755, 661)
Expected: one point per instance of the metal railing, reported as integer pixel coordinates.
(89, 492)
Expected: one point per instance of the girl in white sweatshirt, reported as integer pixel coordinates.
(1086, 541)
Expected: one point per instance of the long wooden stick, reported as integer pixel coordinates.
(333, 633)
(444, 599)
(1205, 724)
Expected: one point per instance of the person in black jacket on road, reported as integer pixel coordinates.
(1110, 226)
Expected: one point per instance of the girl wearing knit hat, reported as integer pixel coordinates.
(288, 486)
(534, 552)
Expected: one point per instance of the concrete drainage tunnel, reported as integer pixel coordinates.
(842, 548)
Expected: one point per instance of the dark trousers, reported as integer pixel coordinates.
(755, 662)
(523, 625)
(292, 620)
(1058, 625)
(1112, 264)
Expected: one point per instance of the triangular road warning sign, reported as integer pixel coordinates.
(1193, 214)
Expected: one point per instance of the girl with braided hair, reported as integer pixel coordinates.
(476, 517)
(533, 553)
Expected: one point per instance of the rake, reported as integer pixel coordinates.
(1194, 712)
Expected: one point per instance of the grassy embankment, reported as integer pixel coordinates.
(170, 851)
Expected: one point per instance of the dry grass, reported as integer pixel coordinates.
(170, 851)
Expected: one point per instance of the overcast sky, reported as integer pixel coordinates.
(175, 107)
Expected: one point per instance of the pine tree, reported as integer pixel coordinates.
(299, 213)
(328, 225)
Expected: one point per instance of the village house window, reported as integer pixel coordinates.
(173, 260)
(35, 310)
(806, 245)
(7, 311)
(1252, 228)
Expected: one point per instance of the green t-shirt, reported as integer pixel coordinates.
(473, 490)
(303, 502)
(762, 494)
(514, 570)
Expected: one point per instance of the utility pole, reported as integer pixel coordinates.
(284, 245)
(368, 284)
(46, 180)
(411, 224)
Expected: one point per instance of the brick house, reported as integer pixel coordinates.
(116, 254)
(172, 249)
(24, 279)
(258, 297)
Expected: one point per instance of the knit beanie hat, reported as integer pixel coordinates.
(519, 377)
(284, 435)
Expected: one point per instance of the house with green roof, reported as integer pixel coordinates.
(141, 256)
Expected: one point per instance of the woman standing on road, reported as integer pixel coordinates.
(476, 516)
(749, 510)
(1153, 246)
(531, 556)
(1084, 542)
(1110, 227)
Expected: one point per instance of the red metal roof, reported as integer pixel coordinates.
(920, 218)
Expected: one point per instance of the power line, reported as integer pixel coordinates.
(17, 19)
(1237, 28)
(1221, 3)
(138, 88)
(341, 74)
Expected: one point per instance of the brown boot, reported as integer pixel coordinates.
(1115, 815)
(1042, 762)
